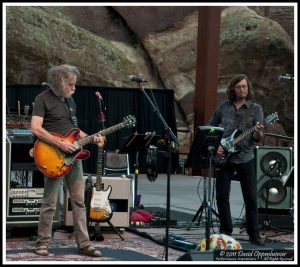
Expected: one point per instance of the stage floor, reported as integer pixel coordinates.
(146, 243)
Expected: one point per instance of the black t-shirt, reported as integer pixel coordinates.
(56, 114)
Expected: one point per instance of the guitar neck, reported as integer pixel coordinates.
(243, 135)
(99, 168)
(88, 139)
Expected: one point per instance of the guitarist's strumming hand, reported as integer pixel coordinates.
(220, 150)
(66, 146)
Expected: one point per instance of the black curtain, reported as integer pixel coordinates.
(118, 102)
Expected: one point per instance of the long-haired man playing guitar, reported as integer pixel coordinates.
(55, 112)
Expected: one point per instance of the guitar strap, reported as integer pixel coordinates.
(71, 106)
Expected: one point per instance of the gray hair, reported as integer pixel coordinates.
(58, 74)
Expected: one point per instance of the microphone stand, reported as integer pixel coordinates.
(171, 136)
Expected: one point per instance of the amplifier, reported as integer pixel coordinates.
(20, 135)
(24, 204)
(18, 211)
(26, 193)
(24, 201)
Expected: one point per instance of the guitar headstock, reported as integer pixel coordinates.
(271, 118)
(129, 121)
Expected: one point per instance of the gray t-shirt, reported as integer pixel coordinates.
(56, 114)
(229, 118)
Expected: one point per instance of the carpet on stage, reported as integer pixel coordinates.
(112, 250)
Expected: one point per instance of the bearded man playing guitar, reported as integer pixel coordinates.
(53, 117)
(239, 112)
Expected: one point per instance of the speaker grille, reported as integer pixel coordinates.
(115, 161)
(276, 186)
(272, 164)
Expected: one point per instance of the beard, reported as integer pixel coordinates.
(239, 97)
(68, 95)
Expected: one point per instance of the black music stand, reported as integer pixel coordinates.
(135, 143)
(203, 150)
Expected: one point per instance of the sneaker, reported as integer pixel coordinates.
(90, 251)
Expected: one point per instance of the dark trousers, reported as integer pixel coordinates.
(247, 177)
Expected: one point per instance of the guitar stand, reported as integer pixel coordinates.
(98, 236)
(115, 229)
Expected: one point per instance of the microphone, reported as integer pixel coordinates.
(101, 116)
(136, 79)
(26, 110)
(99, 96)
(286, 77)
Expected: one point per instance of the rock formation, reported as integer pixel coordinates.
(158, 43)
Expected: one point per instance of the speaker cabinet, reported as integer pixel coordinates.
(119, 200)
(272, 164)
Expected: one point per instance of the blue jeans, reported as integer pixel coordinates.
(247, 177)
(75, 183)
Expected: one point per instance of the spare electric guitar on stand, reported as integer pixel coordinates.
(229, 143)
(99, 208)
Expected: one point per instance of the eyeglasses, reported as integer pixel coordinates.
(244, 86)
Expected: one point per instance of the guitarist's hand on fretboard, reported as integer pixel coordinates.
(98, 138)
(258, 134)
(101, 144)
(259, 126)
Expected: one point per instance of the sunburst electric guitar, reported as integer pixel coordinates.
(100, 209)
(54, 163)
(229, 143)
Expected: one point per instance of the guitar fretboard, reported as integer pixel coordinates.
(88, 139)
(268, 120)
(99, 184)
(243, 135)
